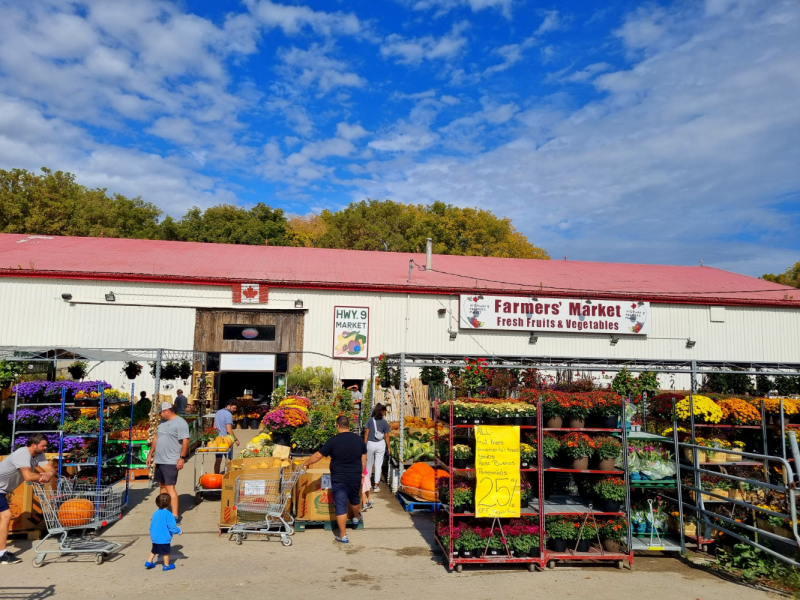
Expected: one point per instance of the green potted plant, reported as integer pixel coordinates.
(382, 372)
(77, 370)
(607, 410)
(551, 446)
(560, 532)
(612, 532)
(496, 545)
(492, 414)
(132, 369)
(579, 448)
(607, 451)
(469, 542)
(461, 454)
(463, 497)
(587, 532)
(527, 456)
(525, 491)
(476, 413)
(528, 412)
(431, 376)
(552, 410)
(578, 407)
(611, 493)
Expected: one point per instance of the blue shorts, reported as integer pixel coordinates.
(4, 503)
(230, 454)
(161, 549)
(344, 493)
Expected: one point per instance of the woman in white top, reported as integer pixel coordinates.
(377, 438)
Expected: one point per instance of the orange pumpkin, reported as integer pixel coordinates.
(411, 479)
(428, 482)
(76, 512)
(211, 481)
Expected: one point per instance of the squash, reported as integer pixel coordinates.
(211, 481)
(76, 512)
(411, 479)
(428, 482)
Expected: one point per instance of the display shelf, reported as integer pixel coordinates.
(590, 429)
(19, 432)
(740, 463)
(646, 435)
(439, 462)
(564, 505)
(525, 511)
(485, 560)
(665, 544)
(650, 483)
(559, 470)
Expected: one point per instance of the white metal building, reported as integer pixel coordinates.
(280, 302)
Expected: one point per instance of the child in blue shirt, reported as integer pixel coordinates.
(162, 528)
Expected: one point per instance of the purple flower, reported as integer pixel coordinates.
(29, 389)
(31, 416)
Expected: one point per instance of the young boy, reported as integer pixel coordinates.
(162, 528)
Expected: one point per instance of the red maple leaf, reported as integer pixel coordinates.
(249, 292)
(633, 306)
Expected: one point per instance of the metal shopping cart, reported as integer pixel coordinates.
(76, 508)
(262, 506)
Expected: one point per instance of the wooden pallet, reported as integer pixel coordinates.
(410, 504)
(26, 534)
(139, 474)
(327, 525)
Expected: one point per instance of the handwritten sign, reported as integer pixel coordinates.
(497, 471)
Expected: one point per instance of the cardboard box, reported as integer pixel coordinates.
(266, 462)
(319, 506)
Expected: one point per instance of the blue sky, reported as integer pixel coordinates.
(657, 132)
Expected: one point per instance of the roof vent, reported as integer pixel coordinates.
(428, 254)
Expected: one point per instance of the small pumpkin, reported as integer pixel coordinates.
(76, 512)
(211, 481)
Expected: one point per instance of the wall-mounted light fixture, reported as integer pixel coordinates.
(480, 296)
(66, 297)
(533, 338)
(298, 303)
(110, 297)
(614, 340)
(588, 301)
(441, 312)
(534, 298)
(453, 335)
(640, 303)
(690, 343)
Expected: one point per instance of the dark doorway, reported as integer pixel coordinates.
(346, 383)
(232, 384)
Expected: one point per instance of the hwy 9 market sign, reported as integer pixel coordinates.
(567, 315)
(350, 332)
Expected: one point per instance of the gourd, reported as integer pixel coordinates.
(76, 512)
(415, 474)
(428, 482)
(211, 481)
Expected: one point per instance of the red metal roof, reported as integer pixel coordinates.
(221, 264)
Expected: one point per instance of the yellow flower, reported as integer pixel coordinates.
(705, 409)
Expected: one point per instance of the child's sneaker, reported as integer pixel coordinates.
(343, 539)
(367, 506)
(149, 565)
(168, 567)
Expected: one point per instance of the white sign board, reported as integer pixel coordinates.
(567, 315)
(350, 332)
(255, 488)
(246, 362)
(325, 484)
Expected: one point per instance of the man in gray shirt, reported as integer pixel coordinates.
(168, 451)
(14, 469)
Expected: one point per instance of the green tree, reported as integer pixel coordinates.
(54, 204)
(392, 226)
(228, 224)
(789, 277)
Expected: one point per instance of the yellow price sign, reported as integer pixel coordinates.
(497, 471)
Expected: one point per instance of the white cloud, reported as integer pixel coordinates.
(442, 7)
(691, 148)
(293, 19)
(313, 67)
(551, 22)
(412, 51)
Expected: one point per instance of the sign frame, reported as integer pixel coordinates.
(513, 509)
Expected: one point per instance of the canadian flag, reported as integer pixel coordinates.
(250, 293)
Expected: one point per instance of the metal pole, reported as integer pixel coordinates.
(625, 475)
(678, 478)
(402, 411)
(100, 437)
(695, 456)
(61, 432)
(130, 445)
(153, 408)
(783, 432)
(14, 421)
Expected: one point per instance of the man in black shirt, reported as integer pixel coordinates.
(348, 454)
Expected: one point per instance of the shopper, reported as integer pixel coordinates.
(181, 403)
(224, 422)
(162, 528)
(356, 395)
(20, 466)
(168, 451)
(377, 439)
(348, 454)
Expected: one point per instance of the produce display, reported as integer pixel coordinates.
(418, 446)
(261, 445)
(419, 481)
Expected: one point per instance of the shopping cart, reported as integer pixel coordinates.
(262, 506)
(199, 490)
(76, 508)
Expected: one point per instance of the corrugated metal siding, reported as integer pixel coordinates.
(33, 313)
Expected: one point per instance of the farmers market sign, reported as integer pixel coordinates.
(569, 315)
(350, 332)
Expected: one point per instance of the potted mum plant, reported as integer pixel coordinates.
(560, 532)
(463, 497)
(607, 410)
(607, 451)
(527, 456)
(587, 532)
(578, 407)
(461, 454)
(525, 491)
(528, 412)
(492, 414)
(612, 532)
(550, 448)
(579, 448)
(476, 413)
(552, 410)
(611, 493)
